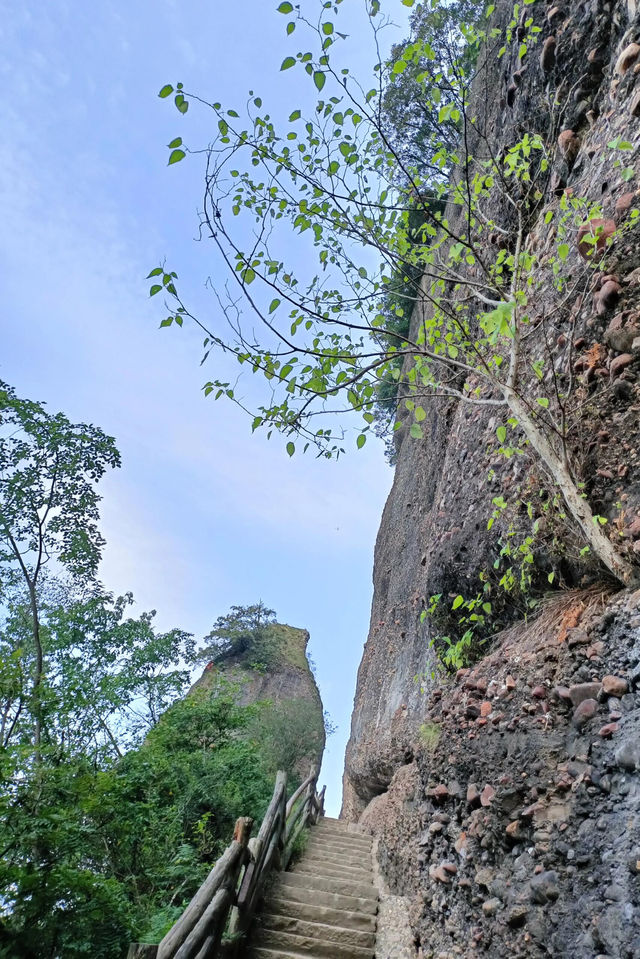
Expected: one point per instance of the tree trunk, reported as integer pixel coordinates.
(37, 679)
(578, 506)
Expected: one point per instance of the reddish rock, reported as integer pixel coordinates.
(584, 712)
(462, 845)
(627, 58)
(620, 363)
(620, 333)
(607, 731)
(440, 793)
(539, 692)
(450, 867)
(510, 683)
(514, 830)
(561, 694)
(633, 529)
(485, 708)
(607, 298)
(624, 202)
(439, 873)
(569, 145)
(582, 691)
(487, 794)
(615, 686)
(577, 637)
(548, 55)
(473, 795)
(598, 229)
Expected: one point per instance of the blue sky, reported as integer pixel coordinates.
(202, 515)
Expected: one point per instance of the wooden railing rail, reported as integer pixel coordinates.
(228, 897)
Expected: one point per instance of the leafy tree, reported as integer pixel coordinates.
(290, 734)
(49, 468)
(108, 676)
(476, 334)
(244, 634)
(418, 84)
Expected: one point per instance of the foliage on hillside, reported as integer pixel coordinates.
(113, 802)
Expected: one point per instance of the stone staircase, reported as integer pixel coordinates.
(326, 905)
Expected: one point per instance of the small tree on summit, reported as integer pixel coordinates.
(243, 633)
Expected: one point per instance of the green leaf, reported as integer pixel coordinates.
(362, 439)
(274, 305)
(563, 251)
(287, 63)
(501, 433)
(543, 401)
(155, 289)
(290, 28)
(458, 601)
(175, 143)
(285, 7)
(249, 275)
(420, 414)
(416, 431)
(319, 79)
(176, 156)
(291, 448)
(294, 116)
(166, 91)
(158, 270)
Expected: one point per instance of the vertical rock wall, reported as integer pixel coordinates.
(420, 745)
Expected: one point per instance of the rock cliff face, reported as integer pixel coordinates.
(286, 681)
(506, 799)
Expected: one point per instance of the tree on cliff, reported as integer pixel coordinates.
(337, 179)
(243, 633)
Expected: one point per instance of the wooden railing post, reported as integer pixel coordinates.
(230, 893)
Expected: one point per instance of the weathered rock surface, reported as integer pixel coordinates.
(287, 678)
(536, 809)
(528, 800)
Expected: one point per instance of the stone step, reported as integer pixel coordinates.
(330, 870)
(319, 851)
(346, 845)
(341, 829)
(359, 853)
(306, 895)
(326, 932)
(310, 946)
(346, 917)
(258, 953)
(319, 862)
(340, 842)
(343, 887)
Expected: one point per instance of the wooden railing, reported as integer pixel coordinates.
(227, 899)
